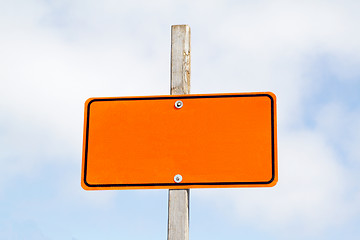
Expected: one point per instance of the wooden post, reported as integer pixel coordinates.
(178, 221)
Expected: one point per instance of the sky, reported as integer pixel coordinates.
(56, 54)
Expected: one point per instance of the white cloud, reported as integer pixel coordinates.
(341, 126)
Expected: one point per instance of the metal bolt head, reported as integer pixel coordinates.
(179, 104)
(178, 178)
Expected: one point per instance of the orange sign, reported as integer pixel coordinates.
(178, 142)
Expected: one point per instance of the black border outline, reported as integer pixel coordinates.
(182, 97)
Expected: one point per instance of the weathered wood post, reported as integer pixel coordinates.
(178, 222)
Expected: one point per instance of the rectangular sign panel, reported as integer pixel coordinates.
(178, 142)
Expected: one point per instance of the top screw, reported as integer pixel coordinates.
(179, 104)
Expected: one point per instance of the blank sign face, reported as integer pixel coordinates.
(177, 142)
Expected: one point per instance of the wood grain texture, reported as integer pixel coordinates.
(180, 59)
(178, 222)
(178, 215)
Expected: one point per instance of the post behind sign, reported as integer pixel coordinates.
(178, 212)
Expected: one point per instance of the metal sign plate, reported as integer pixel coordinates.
(177, 142)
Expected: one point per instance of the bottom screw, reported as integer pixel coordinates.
(178, 178)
